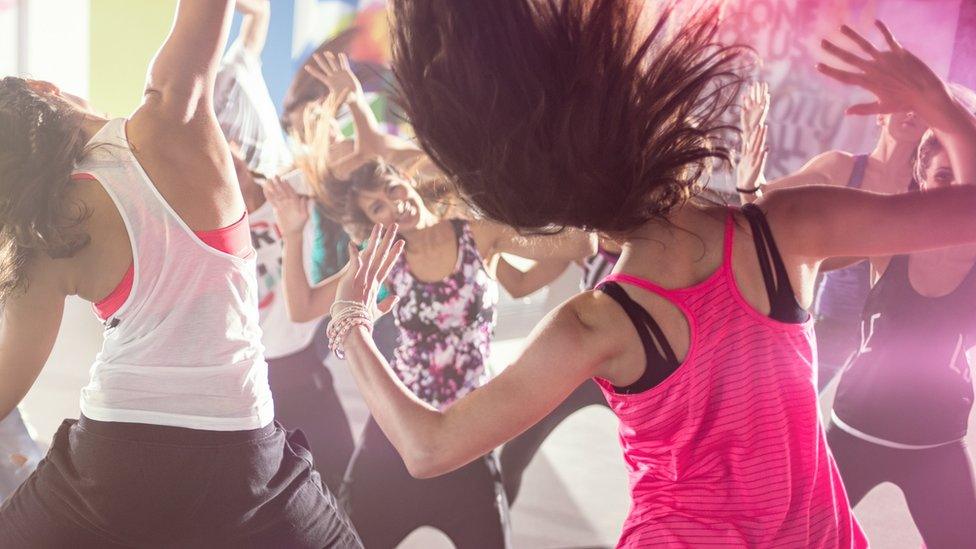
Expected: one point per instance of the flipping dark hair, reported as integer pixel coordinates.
(40, 141)
(565, 112)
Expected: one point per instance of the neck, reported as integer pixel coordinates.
(92, 124)
(425, 235)
(896, 158)
(667, 233)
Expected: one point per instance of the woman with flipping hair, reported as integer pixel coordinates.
(903, 402)
(569, 113)
(176, 444)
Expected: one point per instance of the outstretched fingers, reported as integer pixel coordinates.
(861, 41)
(846, 77)
(843, 55)
(382, 253)
(366, 257)
(889, 38)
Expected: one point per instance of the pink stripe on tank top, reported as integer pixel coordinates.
(729, 449)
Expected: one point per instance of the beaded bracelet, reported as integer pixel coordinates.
(352, 314)
(342, 316)
(336, 344)
(336, 328)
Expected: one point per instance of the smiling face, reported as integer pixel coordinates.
(395, 201)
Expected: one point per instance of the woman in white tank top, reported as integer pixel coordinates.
(176, 444)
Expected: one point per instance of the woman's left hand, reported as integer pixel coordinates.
(368, 269)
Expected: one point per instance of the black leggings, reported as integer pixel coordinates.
(938, 483)
(106, 485)
(518, 453)
(305, 398)
(386, 504)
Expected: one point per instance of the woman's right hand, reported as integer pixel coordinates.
(899, 80)
(290, 208)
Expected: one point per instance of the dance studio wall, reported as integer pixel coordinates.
(33, 43)
(806, 115)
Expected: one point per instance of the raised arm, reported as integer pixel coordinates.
(371, 141)
(29, 324)
(570, 244)
(181, 76)
(304, 301)
(818, 223)
(562, 352)
(254, 25)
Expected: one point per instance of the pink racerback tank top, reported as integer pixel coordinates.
(729, 449)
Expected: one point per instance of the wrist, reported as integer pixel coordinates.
(358, 336)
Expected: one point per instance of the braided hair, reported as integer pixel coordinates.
(41, 139)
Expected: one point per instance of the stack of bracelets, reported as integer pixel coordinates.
(346, 315)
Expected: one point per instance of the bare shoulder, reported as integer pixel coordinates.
(486, 235)
(833, 166)
(595, 318)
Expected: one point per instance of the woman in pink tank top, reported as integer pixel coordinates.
(576, 114)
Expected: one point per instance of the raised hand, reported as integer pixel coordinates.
(368, 269)
(334, 71)
(290, 208)
(899, 80)
(755, 106)
(753, 151)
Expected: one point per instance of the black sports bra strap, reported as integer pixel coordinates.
(782, 300)
(661, 360)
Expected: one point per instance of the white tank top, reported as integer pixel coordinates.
(184, 350)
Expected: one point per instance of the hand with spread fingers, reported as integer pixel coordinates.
(753, 150)
(368, 269)
(290, 208)
(899, 80)
(335, 72)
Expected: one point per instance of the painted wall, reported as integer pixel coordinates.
(806, 115)
(125, 34)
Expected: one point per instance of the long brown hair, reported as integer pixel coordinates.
(566, 112)
(41, 139)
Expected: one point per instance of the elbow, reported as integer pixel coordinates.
(425, 465)
(429, 458)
